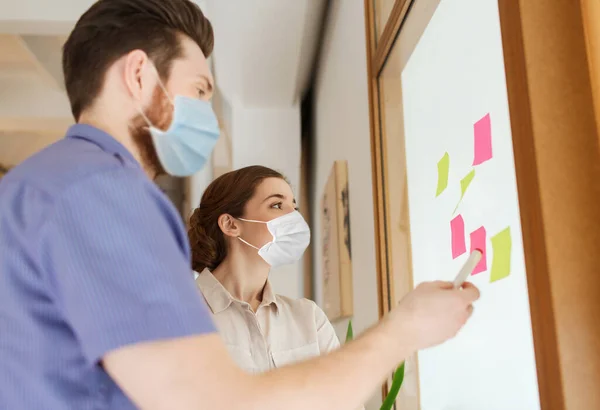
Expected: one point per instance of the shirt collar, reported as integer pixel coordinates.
(219, 298)
(101, 139)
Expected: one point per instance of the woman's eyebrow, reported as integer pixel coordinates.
(279, 196)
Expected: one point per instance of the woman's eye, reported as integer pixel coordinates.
(201, 93)
(277, 205)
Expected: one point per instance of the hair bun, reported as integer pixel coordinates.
(203, 246)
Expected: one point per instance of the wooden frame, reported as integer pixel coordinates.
(378, 206)
(555, 128)
(376, 160)
(555, 140)
(591, 16)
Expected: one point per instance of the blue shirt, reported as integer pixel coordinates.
(93, 257)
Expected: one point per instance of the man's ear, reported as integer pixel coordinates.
(138, 74)
(229, 226)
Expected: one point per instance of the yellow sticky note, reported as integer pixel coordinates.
(501, 248)
(443, 170)
(464, 184)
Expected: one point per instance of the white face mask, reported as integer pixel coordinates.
(291, 236)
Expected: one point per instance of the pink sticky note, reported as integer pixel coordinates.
(457, 227)
(483, 140)
(478, 241)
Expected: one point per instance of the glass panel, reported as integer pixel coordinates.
(454, 99)
(463, 196)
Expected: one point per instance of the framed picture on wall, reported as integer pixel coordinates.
(336, 248)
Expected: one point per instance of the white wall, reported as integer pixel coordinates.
(198, 183)
(342, 133)
(270, 136)
(262, 66)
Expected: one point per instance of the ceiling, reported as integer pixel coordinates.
(14, 56)
(33, 108)
(258, 60)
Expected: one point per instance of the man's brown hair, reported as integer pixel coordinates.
(112, 28)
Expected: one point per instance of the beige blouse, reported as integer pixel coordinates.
(281, 332)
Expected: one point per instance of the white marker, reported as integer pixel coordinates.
(467, 268)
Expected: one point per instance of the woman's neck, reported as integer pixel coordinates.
(243, 279)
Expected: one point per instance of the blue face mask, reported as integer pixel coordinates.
(186, 145)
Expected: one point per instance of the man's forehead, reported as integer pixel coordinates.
(191, 69)
(193, 62)
(191, 50)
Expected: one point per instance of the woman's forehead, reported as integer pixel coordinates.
(274, 186)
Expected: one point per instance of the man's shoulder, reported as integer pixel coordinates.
(70, 170)
(63, 164)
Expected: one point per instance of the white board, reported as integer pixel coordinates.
(453, 79)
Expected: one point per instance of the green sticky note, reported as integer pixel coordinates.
(501, 248)
(443, 170)
(464, 184)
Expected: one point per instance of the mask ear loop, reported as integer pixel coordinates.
(144, 116)
(252, 220)
(162, 87)
(247, 243)
(258, 222)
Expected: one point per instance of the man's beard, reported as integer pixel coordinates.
(160, 114)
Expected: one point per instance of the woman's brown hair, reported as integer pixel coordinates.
(227, 194)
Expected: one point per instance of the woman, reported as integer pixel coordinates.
(246, 224)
